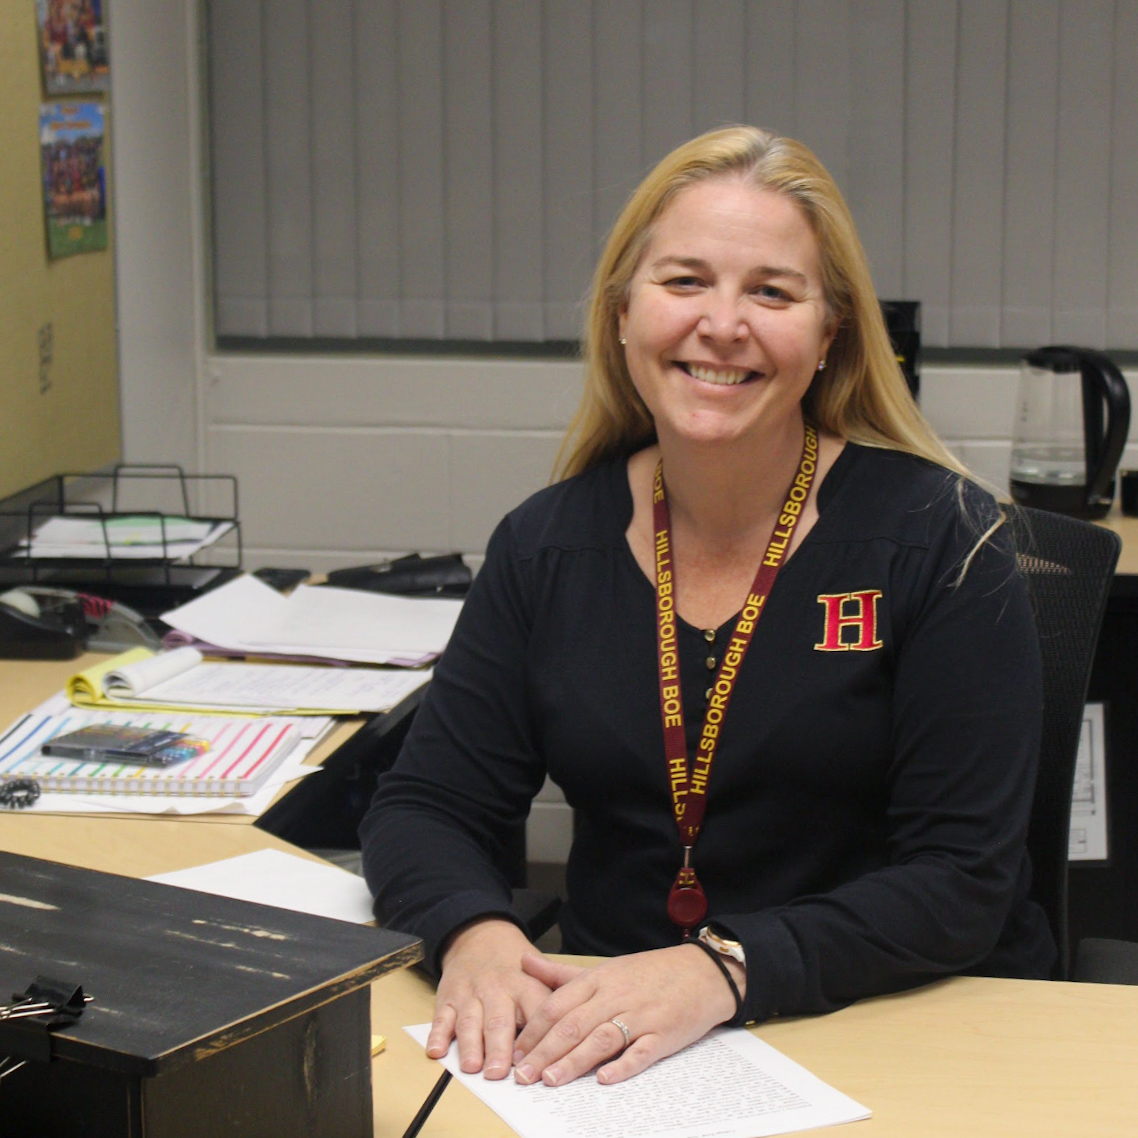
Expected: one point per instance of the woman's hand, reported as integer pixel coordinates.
(484, 996)
(667, 999)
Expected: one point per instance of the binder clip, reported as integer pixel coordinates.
(27, 1022)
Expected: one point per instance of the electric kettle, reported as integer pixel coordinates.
(1072, 420)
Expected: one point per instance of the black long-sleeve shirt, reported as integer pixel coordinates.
(868, 803)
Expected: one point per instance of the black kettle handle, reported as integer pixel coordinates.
(1104, 452)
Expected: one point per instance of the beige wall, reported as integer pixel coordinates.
(68, 418)
(342, 460)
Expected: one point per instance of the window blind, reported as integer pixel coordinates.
(447, 169)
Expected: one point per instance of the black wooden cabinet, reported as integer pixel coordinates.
(209, 1016)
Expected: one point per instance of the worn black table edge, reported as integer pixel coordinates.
(67, 1047)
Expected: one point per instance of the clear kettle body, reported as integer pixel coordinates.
(1072, 419)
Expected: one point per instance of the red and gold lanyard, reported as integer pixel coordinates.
(687, 905)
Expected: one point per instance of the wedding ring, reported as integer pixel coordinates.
(623, 1031)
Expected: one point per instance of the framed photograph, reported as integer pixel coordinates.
(74, 177)
(73, 46)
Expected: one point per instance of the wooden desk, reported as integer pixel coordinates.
(966, 1056)
(1127, 529)
(137, 845)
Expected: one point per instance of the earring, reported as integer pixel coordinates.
(623, 340)
(821, 365)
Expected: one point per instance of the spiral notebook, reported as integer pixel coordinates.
(242, 754)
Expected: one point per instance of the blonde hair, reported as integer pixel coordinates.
(861, 395)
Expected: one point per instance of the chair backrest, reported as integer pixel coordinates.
(1068, 566)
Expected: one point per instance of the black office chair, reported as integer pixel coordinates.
(323, 814)
(1068, 566)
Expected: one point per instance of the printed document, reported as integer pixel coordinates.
(730, 1084)
(286, 688)
(273, 877)
(1087, 837)
(179, 679)
(124, 537)
(338, 624)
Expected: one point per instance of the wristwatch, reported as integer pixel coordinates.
(721, 944)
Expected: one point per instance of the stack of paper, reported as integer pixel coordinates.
(246, 615)
(130, 537)
(180, 680)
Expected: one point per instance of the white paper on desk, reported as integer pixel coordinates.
(282, 687)
(230, 612)
(730, 1084)
(273, 877)
(359, 621)
(342, 624)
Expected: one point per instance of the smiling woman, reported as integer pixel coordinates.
(800, 739)
(861, 398)
(724, 328)
(726, 318)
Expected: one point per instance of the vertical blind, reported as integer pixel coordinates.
(447, 169)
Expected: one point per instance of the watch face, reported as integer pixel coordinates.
(708, 934)
(721, 944)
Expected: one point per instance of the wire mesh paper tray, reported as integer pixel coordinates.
(129, 491)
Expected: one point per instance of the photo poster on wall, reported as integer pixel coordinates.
(74, 177)
(73, 46)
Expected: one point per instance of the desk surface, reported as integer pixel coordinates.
(1127, 529)
(965, 1056)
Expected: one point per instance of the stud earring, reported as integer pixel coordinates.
(821, 365)
(623, 340)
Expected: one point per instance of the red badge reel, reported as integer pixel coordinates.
(687, 903)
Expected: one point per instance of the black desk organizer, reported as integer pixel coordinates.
(208, 1016)
(148, 585)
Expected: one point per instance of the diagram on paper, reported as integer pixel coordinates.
(1088, 839)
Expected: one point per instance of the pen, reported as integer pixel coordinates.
(428, 1106)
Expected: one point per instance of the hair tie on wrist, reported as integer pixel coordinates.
(719, 963)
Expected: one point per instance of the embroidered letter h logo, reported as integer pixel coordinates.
(850, 610)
